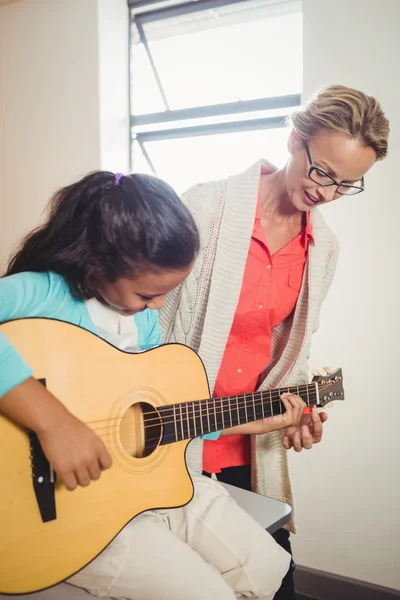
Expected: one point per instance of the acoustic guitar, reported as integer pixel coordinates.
(146, 407)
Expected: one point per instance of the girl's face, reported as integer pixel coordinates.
(130, 296)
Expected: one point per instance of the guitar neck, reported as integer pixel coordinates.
(190, 419)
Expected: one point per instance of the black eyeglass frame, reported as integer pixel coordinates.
(357, 189)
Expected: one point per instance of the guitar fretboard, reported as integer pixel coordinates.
(190, 419)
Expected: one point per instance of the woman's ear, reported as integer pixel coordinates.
(294, 142)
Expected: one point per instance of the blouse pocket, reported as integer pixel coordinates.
(295, 279)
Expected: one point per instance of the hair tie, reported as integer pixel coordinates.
(118, 178)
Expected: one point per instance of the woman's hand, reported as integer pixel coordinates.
(294, 406)
(307, 433)
(73, 450)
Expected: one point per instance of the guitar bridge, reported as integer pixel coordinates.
(42, 478)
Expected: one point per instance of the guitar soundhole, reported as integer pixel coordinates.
(140, 430)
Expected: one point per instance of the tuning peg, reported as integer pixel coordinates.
(321, 372)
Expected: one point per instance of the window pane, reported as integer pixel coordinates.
(218, 59)
(184, 162)
(145, 96)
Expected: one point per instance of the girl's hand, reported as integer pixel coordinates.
(294, 411)
(75, 452)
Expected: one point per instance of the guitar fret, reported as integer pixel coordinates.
(254, 408)
(194, 420)
(245, 407)
(182, 431)
(238, 411)
(215, 415)
(262, 405)
(270, 402)
(176, 429)
(208, 415)
(201, 416)
(230, 412)
(187, 420)
(308, 394)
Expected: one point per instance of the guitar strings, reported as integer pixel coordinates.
(198, 411)
(272, 393)
(177, 418)
(172, 437)
(179, 426)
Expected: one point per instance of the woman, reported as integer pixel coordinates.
(266, 262)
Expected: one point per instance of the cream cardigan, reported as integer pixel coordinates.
(200, 312)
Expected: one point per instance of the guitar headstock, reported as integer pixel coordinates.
(330, 386)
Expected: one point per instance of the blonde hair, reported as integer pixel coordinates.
(344, 110)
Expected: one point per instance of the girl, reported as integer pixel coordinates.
(110, 250)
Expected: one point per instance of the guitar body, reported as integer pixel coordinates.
(103, 387)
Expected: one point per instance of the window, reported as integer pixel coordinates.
(212, 82)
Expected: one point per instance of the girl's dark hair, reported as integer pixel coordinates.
(103, 228)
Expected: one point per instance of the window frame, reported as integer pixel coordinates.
(142, 12)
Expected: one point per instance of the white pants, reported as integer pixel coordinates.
(210, 549)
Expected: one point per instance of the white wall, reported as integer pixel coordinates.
(63, 102)
(49, 105)
(348, 488)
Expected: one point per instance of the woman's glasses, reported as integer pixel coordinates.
(321, 178)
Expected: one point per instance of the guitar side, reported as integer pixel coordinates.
(102, 386)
